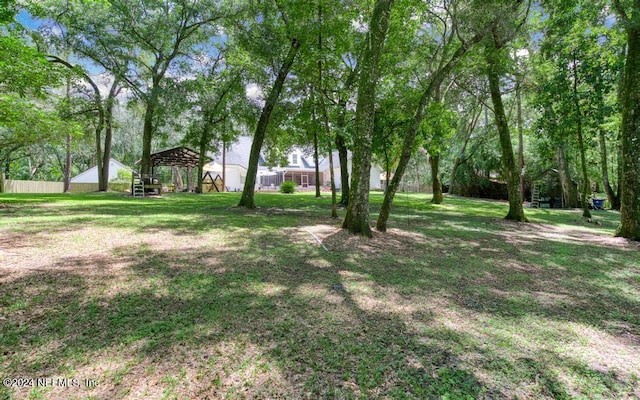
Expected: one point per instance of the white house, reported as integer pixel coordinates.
(374, 180)
(236, 163)
(300, 168)
(91, 175)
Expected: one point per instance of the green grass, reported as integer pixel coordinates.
(186, 296)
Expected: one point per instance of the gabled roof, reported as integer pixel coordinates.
(238, 153)
(303, 162)
(92, 173)
(176, 157)
(324, 164)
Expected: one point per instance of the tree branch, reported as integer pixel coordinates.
(620, 9)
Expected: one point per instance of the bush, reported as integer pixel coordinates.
(123, 176)
(288, 187)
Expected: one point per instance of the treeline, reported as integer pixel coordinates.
(493, 90)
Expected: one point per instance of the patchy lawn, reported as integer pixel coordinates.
(184, 296)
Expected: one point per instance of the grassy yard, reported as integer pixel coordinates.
(185, 296)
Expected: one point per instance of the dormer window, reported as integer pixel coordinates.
(294, 159)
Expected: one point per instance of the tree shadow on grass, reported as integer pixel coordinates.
(284, 318)
(511, 278)
(183, 215)
(587, 292)
(305, 339)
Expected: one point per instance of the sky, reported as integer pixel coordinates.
(253, 91)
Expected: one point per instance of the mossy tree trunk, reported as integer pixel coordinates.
(509, 166)
(613, 197)
(357, 217)
(630, 136)
(434, 161)
(148, 128)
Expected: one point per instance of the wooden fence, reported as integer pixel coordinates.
(17, 186)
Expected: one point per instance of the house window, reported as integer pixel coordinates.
(294, 159)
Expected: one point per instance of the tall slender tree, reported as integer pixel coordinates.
(451, 46)
(585, 185)
(103, 119)
(282, 23)
(357, 217)
(495, 57)
(247, 199)
(630, 137)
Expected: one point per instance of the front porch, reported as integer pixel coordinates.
(305, 179)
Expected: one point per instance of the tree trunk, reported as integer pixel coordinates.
(316, 161)
(103, 182)
(410, 135)
(334, 204)
(67, 166)
(247, 199)
(510, 169)
(2, 169)
(520, 138)
(327, 131)
(97, 98)
(630, 180)
(99, 157)
(436, 183)
(343, 156)
(584, 186)
(341, 146)
(205, 138)
(619, 170)
(387, 167)
(224, 165)
(325, 123)
(147, 130)
(206, 135)
(614, 200)
(568, 190)
(357, 217)
(179, 182)
(456, 164)
(454, 170)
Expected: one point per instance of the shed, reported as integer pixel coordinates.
(91, 175)
(548, 188)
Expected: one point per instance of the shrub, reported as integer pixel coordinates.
(288, 187)
(123, 176)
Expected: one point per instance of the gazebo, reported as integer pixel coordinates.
(176, 157)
